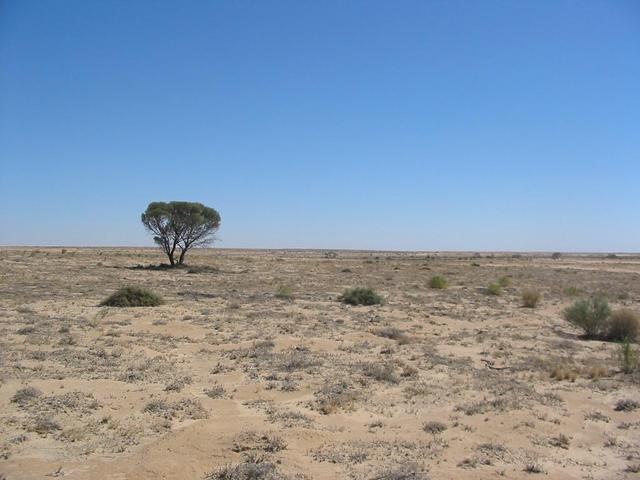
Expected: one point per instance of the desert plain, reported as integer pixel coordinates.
(252, 368)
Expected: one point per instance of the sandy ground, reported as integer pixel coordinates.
(226, 373)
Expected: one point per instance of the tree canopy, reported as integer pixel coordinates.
(179, 226)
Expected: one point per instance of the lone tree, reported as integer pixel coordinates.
(180, 226)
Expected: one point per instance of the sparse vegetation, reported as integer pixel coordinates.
(284, 292)
(628, 356)
(590, 315)
(623, 324)
(505, 282)
(627, 405)
(494, 289)
(530, 298)
(132, 297)
(434, 427)
(26, 395)
(438, 282)
(361, 296)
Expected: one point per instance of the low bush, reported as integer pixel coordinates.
(530, 298)
(628, 357)
(361, 296)
(505, 282)
(439, 282)
(284, 293)
(623, 324)
(590, 315)
(494, 289)
(133, 297)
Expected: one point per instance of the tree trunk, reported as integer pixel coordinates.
(181, 259)
(171, 260)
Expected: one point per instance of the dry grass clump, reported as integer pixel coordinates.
(26, 395)
(183, 409)
(590, 315)
(253, 468)
(627, 405)
(438, 282)
(380, 372)
(405, 471)
(263, 441)
(505, 282)
(217, 391)
(434, 428)
(494, 289)
(43, 425)
(561, 373)
(132, 297)
(361, 296)
(284, 292)
(394, 334)
(624, 323)
(335, 397)
(530, 298)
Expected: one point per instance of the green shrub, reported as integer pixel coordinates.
(439, 282)
(361, 296)
(590, 315)
(624, 323)
(530, 298)
(494, 289)
(133, 297)
(284, 293)
(505, 282)
(573, 291)
(628, 356)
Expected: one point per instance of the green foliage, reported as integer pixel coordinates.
(628, 356)
(494, 289)
(530, 298)
(573, 291)
(505, 282)
(624, 323)
(284, 292)
(179, 226)
(590, 315)
(439, 282)
(361, 296)
(133, 297)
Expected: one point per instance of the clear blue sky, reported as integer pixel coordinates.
(457, 125)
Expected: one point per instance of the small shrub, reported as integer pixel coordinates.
(44, 425)
(627, 405)
(217, 391)
(628, 356)
(623, 324)
(26, 395)
(380, 372)
(439, 282)
(361, 296)
(533, 468)
(530, 298)
(572, 291)
(434, 428)
(253, 468)
(133, 297)
(494, 289)
(394, 334)
(203, 269)
(590, 315)
(556, 255)
(284, 293)
(505, 282)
